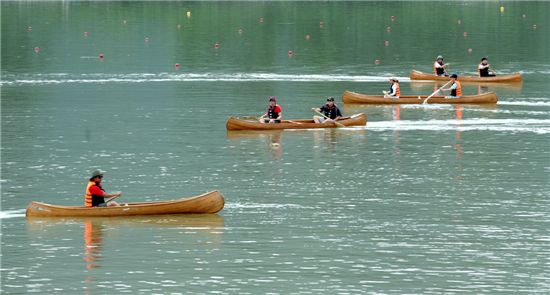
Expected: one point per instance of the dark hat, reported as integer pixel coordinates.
(272, 98)
(483, 58)
(96, 173)
(454, 76)
(330, 99)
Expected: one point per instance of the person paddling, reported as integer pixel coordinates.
(95, 194)
(456, 88)
(274, 112)
(440, 67)
(330, 110)
(484, 69)
(394, 90)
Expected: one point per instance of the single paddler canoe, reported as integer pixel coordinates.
(210, 202)
(510, 78)
(357, 98)
(234, 123)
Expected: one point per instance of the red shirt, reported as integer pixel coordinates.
(96, 191)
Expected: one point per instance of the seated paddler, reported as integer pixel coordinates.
(456, 88)
(95, 194)
(484, 68)
(394, 90)
(440, 67)
(330, 111)
(274, 112)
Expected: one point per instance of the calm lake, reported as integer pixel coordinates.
(437, 199)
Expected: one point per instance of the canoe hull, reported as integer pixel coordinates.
(357, 98)
(511, 78)
(211, 202)
(240, 124)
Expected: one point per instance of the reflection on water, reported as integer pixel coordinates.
(458, 145)
(93, 239)
(271, 138)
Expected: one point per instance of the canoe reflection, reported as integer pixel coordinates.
(272, 138)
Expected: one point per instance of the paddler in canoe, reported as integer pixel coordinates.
(394, 90)
(456, 88)
(330, 111)
(95, 194)
(440, 67)
(484, 69)
(274, 112)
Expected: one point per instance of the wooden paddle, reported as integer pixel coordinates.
(336, 123)
(110, 199)
(430, 96)
(250, 118)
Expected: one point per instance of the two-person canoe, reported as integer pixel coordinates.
(211, 202)
(242, 124)
(352, 97)
(510, 78)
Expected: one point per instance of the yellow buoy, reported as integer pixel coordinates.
(189, 14)
(501, 9)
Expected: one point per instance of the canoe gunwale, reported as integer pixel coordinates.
(237, 124)
(209, 202)
(504, 78)
(349, 97)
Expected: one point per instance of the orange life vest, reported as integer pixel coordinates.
(458, 91)
(88, 195)
(397, 90)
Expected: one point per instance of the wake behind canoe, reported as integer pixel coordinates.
(242, 124)
(510, 78)
(358, 98)
(211, 202)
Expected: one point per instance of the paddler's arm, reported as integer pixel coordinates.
(113, 194)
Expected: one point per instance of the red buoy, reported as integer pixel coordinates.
(465, 34)
(177, 66)
(388, 29)
(290, 53)
(101, 56)
(392, 18)
(216, 45)
(37, 50)
(376, 61)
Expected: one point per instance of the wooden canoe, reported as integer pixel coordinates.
(352, 97)
(510, 78)
(210, 202)
(241, 124)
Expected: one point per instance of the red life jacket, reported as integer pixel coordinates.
(271, 113)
